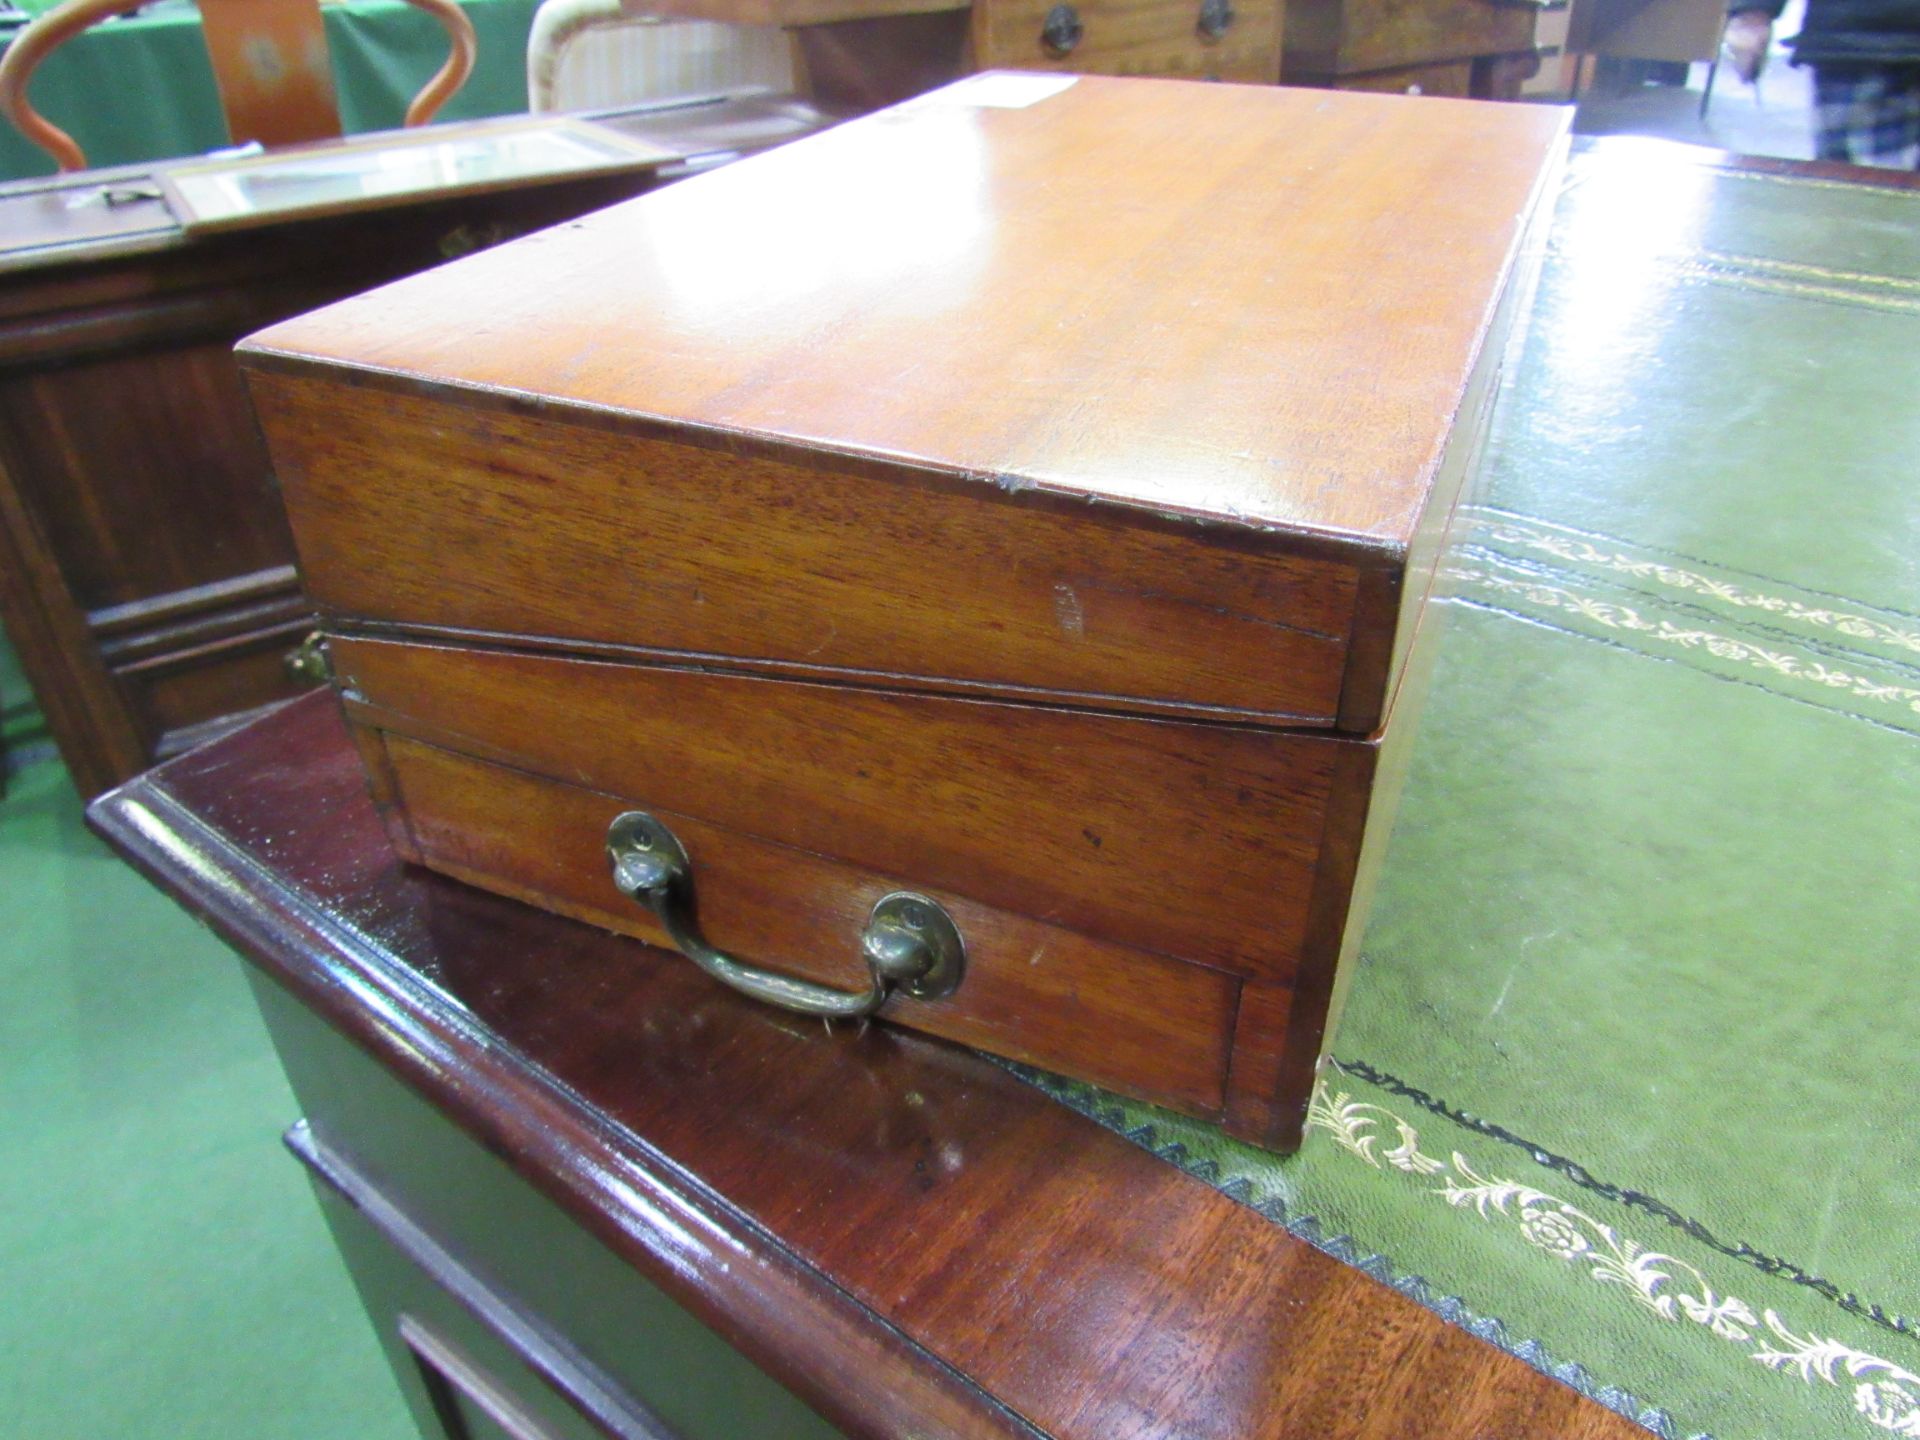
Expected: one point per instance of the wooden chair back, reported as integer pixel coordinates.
(270, 63)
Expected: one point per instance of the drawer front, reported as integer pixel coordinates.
(1453, 78)
(1335, 38)
(1030, 991)
(1198, 842)
(1237, 41)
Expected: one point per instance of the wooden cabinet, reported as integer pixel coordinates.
(1235, 40)
(146, 574)
(863, 54)
(1479, 48)
(145, 571)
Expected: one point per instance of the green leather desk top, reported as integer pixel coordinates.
(1628, 1069)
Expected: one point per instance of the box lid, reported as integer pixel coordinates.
(1251, 318)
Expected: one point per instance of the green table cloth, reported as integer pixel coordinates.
(142, 88)
(1628, 1069)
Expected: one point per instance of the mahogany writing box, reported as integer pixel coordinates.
(962, 564)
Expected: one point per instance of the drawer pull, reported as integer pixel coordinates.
(1061, 30)
(1216, 16)
(909, 942)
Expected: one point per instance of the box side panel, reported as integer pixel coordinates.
(1245, 304)
(1276, 1046)
(1032, 991)
(1195, 841)
(427, 512)
(1284, 1036)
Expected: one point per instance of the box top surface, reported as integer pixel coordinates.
(1252, 305)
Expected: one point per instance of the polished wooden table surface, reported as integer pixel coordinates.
(908, 1237)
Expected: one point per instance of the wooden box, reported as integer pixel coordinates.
(1024, 500)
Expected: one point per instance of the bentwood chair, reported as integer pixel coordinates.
(270, 63)
(586, 54)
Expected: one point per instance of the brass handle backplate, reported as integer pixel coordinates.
(909, 942)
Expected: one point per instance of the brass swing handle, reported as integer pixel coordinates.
(909, 942)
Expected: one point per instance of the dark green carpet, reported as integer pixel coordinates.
(23, 729)
(163, 1270)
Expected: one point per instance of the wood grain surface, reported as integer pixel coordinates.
(1075, 839)
(908, 1237)
(1250, 306)
(1103, 824)
(1032, 991)
(1139, 427)
(674, 431)
(432, 514)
